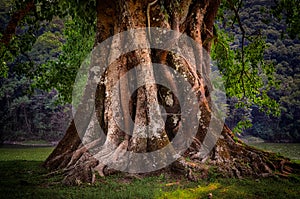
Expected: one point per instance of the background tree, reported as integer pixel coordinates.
(40, 53)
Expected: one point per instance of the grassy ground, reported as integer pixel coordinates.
(21, 176)
(291, 150)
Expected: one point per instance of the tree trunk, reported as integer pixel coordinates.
(128, 121)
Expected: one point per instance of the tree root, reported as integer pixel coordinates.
(190, 169)
(230, 160)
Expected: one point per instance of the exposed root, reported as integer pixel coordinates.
(81, 171)
(192, 170)
(235, 159)
(231, 158)
(78, 153)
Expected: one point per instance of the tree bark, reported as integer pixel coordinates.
(80, 158)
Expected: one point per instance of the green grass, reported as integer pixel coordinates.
(22, 176)
(245, 188)
(25, 153)
(291, 150)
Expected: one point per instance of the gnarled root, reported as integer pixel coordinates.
(233, 158)
(191, 169)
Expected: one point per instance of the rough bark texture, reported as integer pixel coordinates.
(194, 18)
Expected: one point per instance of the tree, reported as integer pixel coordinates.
(82, 153)
(81, 159)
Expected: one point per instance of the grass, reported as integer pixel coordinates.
(24, 154)
(22, 176)
(245, 188)
(291, 150)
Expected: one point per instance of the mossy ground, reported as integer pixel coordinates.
(22, 176)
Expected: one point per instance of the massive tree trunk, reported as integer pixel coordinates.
(126, 122)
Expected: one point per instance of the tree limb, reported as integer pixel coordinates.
(14, 21)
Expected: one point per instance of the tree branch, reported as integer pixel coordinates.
(14, 21)
(237, 17)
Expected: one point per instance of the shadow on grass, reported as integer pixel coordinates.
(28, 179)
(19, 177)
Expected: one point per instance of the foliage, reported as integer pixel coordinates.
(33, 32)
(247, 76)
(60, 74)
(289, 10)
(28, 28)
(49, 44)
(35, 115)
(25, 116)
(277, 82)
